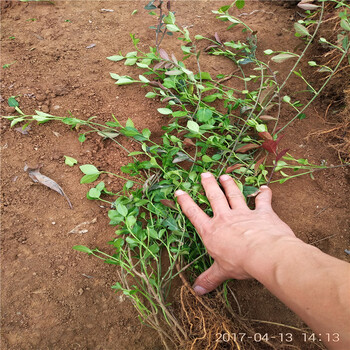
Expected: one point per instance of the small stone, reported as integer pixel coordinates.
(53, 223)
(80, 291)
(40, 97)
(45, 108)
(56, 107)
(9, 109)
(61, 267)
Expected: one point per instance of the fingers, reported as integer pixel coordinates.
(209, 280)
(195, 214)
(263, 200)
(213, 192)
(233, 194)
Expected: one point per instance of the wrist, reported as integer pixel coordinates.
(264, 257)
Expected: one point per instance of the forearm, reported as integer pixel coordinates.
(312, 284)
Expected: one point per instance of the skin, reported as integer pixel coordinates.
(247, 243)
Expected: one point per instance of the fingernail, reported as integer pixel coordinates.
(205, 175)
(264, 186)
(199, 290)
(225, 177)
(179, 193)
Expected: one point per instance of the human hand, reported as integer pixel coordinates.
(235, 232)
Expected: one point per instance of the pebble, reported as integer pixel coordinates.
(41, 97)
(53, 223)
(80, 291)
(45, 108)
(9, 109)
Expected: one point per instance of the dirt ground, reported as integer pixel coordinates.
(56, 298)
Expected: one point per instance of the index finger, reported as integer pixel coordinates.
(195, 214)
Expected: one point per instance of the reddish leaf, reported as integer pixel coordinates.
(233, 167)
(265, 135)
(267, 118)
(271, 145)
(258, 163)
(247, 147)
(210, 47)
(217, 38)
(167, 99)
(157, 84)
(307, 6)
(163, 54)
(281, 154)
(168, 5)
(159, 65)
(188, 142)
(174, 58)
(168, 203)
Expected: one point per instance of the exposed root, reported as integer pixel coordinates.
(338, 137)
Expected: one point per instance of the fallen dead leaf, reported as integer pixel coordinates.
(36, 176)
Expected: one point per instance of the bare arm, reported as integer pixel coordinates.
(256, 244)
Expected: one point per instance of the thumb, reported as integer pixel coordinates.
(263, 200)
(209, 280)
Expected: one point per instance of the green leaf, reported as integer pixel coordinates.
(12, 102)
(165, 111)
(146, 133)
(283, 57)
(82, 248)
(70, 161)
(130, 61)
(172, 28)
(115, 58)
(206, 159)
(240, 4)
(136, 153)
(86, 179)
(178, 114)
(345, 24)
(129, 184)
(129, 123)
(82, 138)
(286, 99)
(132, 53)
(122, 209)
(94, 193)
(199, 37)
(15, 121)
(125, 81)
(204, 115)
(171, 224)
(89, 169)
(115, 76)
(117, 286)
(143, 79)
(174, 72)
(193, 126)
(203, 76)
(301, 30)
(151, 95)
(130, 220)
(248, 190)
(268, 52)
